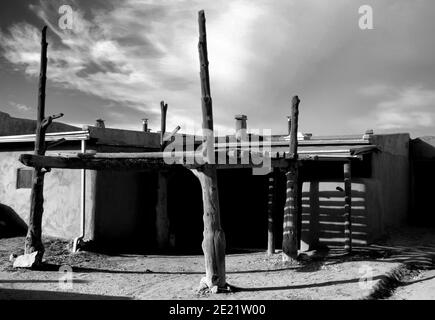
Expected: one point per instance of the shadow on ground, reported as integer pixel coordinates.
(16, 294)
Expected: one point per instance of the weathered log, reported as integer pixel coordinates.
(213, 244)
(164, 110)
(293, 141)
(290, 221)
(292, 209)
(33, 242)
(130, 163)
(347, 207)
(162, 217)
(170, 136)
(91, 163)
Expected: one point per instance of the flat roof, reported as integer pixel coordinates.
(314, 147)
(103, 136)
(53, 136)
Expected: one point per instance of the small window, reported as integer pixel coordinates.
(24, 178)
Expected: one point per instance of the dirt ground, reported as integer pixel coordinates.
(254, 274)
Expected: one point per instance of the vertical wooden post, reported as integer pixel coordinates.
(213, 243)
(292, 207)
(145, 125)
(33, 242)
(347, 207)
(93, 210)
(164, 109)
(271, 209)
(293, 127)
(299, 206)
(162, 217)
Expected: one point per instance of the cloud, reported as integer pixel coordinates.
(19, 106)
(134, 53)
(400, 108)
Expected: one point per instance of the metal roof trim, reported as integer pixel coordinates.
(52, 136)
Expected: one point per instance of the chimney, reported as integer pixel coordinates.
(241, 127)
(368, 134)
(99, 123)
(145, 125)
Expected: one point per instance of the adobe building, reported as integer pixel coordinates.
(119, 207)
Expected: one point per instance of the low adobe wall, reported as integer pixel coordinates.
(61, 197)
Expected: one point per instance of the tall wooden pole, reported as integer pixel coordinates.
(33, 239)
(33, 242)
(293, 128)
(164, 109)
(162, 216)
(40, 132)
(292, 207)
(213, 244)
(347, 207)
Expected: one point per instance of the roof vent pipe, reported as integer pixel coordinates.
(241, 127)
(99, 123)
(145, 125)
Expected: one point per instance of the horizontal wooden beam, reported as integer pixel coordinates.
(133, 164)
(90, 163)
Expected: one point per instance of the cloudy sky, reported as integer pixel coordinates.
(122, 58)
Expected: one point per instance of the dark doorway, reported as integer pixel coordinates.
(185, 212)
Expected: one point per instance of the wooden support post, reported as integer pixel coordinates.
(299, 206)
(290, 223)
(92, 194)
(213, 243)
(33, 242)
(293, 128)
(292, 209)
(271, 209)
(162, 217)
(164, 109)
(347, 207)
